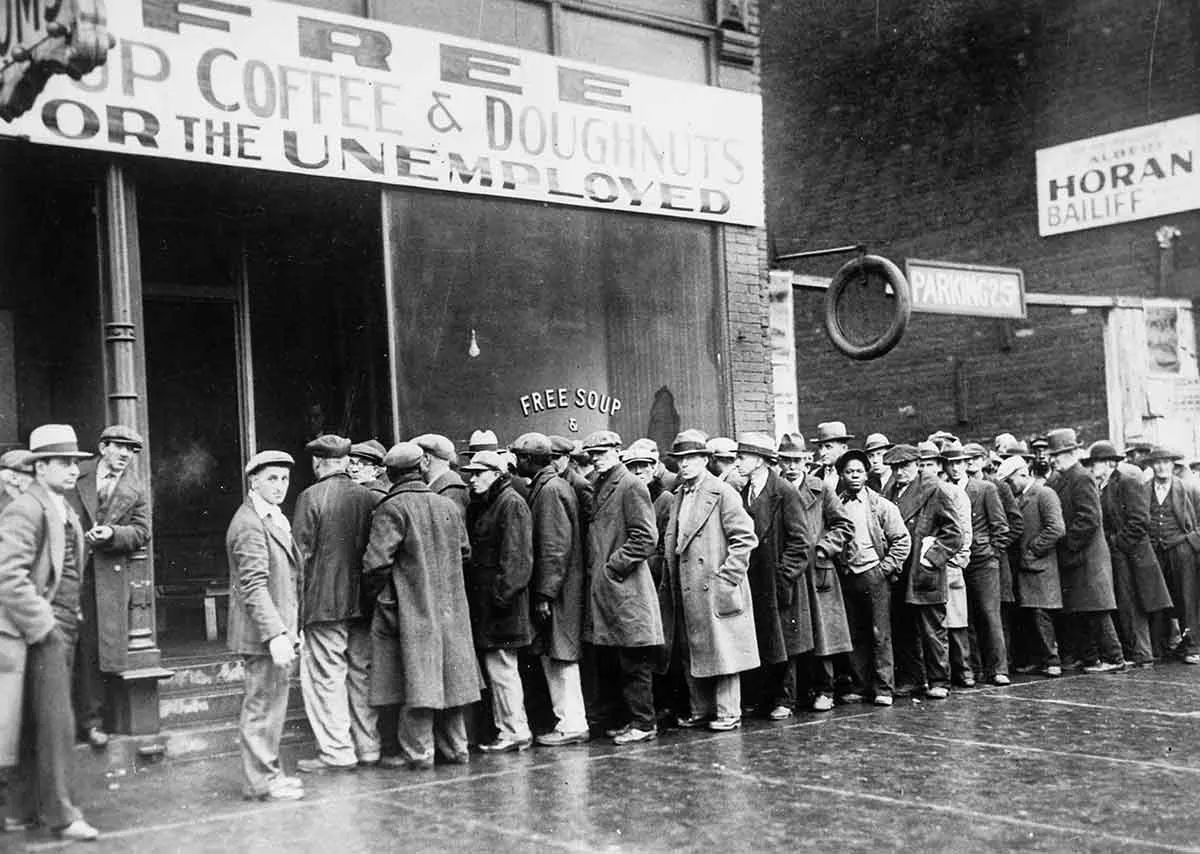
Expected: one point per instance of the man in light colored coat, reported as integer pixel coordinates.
(265, 583)
(709, 540)
(623, 610)
(1035, 578)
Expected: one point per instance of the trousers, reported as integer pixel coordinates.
(508, 694)
(566, 694)
(260, 728)
(335, 675)
(422, 731)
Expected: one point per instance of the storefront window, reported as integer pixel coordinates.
(516, 23)
(583, 319)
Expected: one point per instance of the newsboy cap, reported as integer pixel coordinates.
(437, 445)
(536, 444)
(690, 443)
(722, 447)
(1011, 466)
(269, 458)
(403, 456)
(329, 447)
(122, 435)
(759, 444)
(18, 460)
(640, 451)
(898, 455)
(487, 461)
(561, 445)
(602, 439)
(371, 450)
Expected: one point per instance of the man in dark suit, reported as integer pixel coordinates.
(111, 503)
(332, 522)
(1175, 534)
(265, 583)
(41, 571)
(919, 596)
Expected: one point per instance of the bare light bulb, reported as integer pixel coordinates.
(473, 350)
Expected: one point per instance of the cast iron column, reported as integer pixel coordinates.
(135, 695)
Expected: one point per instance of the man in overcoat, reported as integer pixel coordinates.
(872, 560)
(794, 458)
(782, 615)
(41, 568)
(1035, 578)
(707, 549)
(623, 609)
(827, 531)
(983, 464)
(423, 655)
(1175, 535)
(265, 584)
(1138, 582)
(330, 528)
(1084, 565)
(16, 474)
(437, 471)
(498, 574)
(557, 587)
(919, 596)
(111, 503)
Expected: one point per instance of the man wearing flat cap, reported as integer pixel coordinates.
(1175, 535)
(1036, 584)
(919, 596)
(1084, 564)
(1138, 581)
(111, 503)
(330, 527)
(266, 584)
(557, 587)
(623, 608)
(16, 474)
(366, 467)
(832, 440)
(498, 574)
(561, 450)
(41, 569)
(782, 618)
(437, 471)
(423, 659)
(710, 537)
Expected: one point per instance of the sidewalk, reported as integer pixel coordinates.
(1082, 763)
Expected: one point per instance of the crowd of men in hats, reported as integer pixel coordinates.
(749, 577)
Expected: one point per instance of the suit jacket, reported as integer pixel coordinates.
(1126, 508)
(1084, 565)
(128, 513)
(265, 580)
(707, 555)
(330, 529)
(989, 525)
(33, 541)
(925, 506)
(1036, 582)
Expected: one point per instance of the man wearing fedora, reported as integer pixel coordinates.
(1036, 583)
(919, 596)
(707, 548)
(794, 458)
(424, 670)
(498, 573)
(111, 503)
(984, 464)
(832, 440)
(722, 461)
(873, 558)
(330, 528)
(623, 606)
(16, 474)
(878, 474)
(958, 624)
(1137, 579)
(438, 472)
(42, 561)
(266, 584)
(1175, 535)
(782, 617)
(1084, 564)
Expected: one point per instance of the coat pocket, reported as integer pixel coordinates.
(730, 601)
(926, 579)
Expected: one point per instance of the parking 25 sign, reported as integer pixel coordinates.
(942, 287)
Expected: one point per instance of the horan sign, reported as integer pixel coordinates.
(940, 287)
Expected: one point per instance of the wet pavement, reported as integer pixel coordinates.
(1079, 764)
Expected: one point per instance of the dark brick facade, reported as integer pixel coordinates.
(912, 127)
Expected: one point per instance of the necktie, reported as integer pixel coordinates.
(106, 486)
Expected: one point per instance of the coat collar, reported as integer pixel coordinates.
(56, 533)
(765, 505)
(543, 476)
(707, 493)
(609, 482)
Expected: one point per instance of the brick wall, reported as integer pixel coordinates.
(913, 127)
(746, 303)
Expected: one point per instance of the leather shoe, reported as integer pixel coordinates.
(396, 761)
(506, 745)
(1001, 679)
(937, 692)
(562, 739)
(724, 724)
(613, 732)
(883, 699)
(692, 721)
(320, 766)
(78, 831)
(823, 703)
(96, 737)
(633, 735)
(1053, 671)
(780, 713)
(277, 792)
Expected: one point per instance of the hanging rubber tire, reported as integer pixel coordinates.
(854, 272)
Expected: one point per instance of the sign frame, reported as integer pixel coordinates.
(964, 311)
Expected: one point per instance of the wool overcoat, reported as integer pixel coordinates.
(1036, 582)
(933, 527)
(1126, 508)
(422, 654)
(707, 555)
(450, 485)
(828, 530)
(558, 572)
(1084, 565)
(501, 566)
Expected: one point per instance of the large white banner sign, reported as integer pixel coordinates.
(1133, 174)
(268, 85)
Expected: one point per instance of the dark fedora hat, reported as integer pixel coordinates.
(1061, 440)
(1159, 453)
(1103, 450)
(689, 443)
(954, 451)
